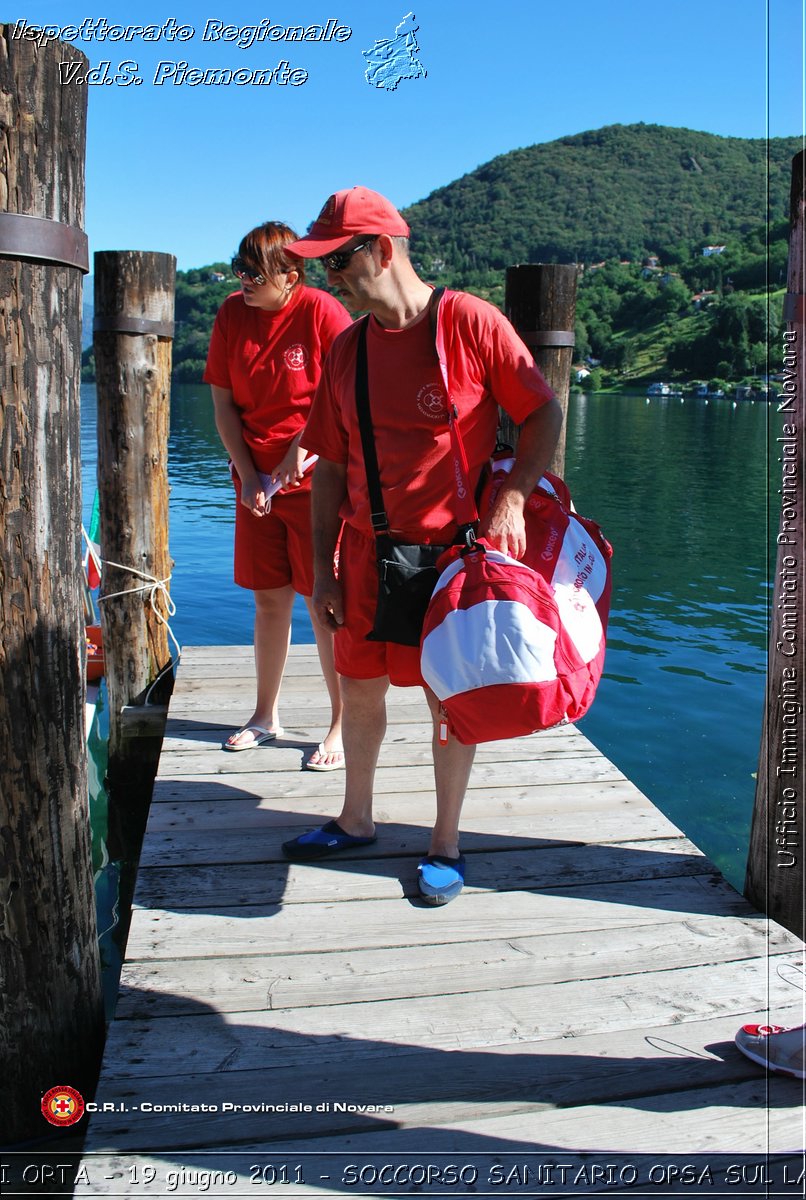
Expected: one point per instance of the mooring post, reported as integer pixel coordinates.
(540, 301)
(774, 882)
(51, 1014)
(133, 331)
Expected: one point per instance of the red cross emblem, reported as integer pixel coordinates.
(62, 1105)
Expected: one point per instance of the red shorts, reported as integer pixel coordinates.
(355, 656)
(275, 550)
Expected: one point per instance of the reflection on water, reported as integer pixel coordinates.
(681, 491)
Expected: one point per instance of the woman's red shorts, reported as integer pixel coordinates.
(275, 550)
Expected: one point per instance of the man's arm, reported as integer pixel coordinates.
(504, 525)
(328, 489)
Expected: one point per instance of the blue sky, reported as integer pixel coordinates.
(189, 169)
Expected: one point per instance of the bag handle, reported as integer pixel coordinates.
(466, 507)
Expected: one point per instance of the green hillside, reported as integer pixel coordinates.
(610, 199)
(708, 317)
(622, 192)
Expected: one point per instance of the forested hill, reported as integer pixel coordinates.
(623, 192)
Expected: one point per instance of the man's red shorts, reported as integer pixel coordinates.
(275, 550)
(355, 656)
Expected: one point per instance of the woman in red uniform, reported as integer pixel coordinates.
(263, 365)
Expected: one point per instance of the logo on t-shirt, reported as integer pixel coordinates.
(431, 401)
(295, 357)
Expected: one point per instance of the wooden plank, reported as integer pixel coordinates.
(271, 879)
(208, 660)
(296, 789)
(212, 840)
(218, 1042)
(143, 720)
(198, 735)
(411, 744)
(715, 1121)
(233, 697)
(308, 712)
(241, 984)
(297, 928)
(178, 806)
(537, 1081)
(399, 779)
(236, 1055)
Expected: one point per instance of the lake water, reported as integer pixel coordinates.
(681, 490)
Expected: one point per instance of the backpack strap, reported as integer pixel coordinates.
(467, 512)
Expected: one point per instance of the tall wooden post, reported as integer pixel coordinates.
(540, 301)
(51, 1014)
(775, 880)
(134, 309)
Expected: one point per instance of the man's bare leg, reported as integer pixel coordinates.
(363, 730)
(452, 766)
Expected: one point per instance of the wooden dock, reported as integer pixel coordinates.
(565, 1026)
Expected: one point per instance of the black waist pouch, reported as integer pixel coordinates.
(407, 575)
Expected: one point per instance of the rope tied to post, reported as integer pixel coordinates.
(153, 589)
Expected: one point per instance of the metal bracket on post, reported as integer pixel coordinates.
(124, 324)
(537, 339)
(44, 240)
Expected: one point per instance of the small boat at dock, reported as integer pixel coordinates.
(664, 389)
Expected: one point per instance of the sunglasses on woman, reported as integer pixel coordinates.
(340, 258)
(244, 271)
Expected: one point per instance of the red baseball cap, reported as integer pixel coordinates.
(347, 213)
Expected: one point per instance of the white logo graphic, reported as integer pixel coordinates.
(431, 401)
(296, 357)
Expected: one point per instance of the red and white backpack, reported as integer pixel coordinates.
(510, 647)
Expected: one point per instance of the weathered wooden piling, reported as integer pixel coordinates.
(51, 1017)
(133, 331)
(774, 881)
(540, 301)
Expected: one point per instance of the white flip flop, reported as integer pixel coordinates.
(321, 751)
(261, 735)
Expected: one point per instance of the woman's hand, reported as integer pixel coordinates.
(253, 496)
(288, 473)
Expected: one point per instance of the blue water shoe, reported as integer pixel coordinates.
(440, 879)
(320, 843)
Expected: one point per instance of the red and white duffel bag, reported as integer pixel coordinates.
(511, 647)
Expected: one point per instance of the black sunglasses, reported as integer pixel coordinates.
(340, 258)
(243, 271)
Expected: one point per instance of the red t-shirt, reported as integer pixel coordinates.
(487, 365)
(272, 362)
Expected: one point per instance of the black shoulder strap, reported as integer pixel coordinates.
(433, 309)
(380, 521)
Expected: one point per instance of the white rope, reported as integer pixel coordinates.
(155, 588)
(92, 553)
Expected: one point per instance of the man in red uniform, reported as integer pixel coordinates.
(363, 242)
